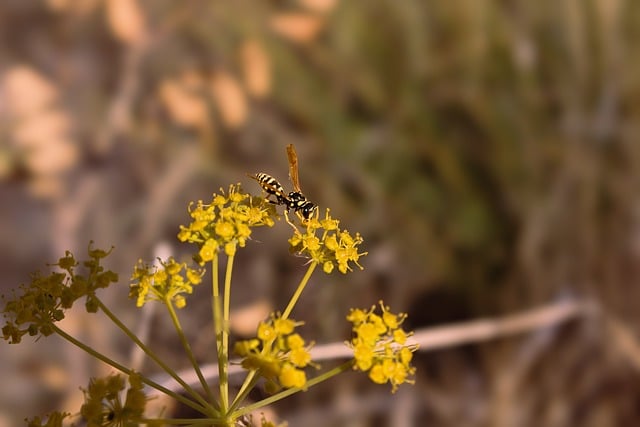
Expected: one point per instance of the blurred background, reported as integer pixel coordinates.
(486, 150)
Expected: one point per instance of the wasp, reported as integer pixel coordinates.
(272, 187)
(295, 200)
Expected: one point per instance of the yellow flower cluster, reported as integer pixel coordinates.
(333, 248)
(379, 346)
(265, 423)
(46, 298)
(278, 353)
(103, 402)
(163, 284)
(226, 222)
(54, 419)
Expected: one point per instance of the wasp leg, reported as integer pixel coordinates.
(286, 217)
(301, 217)
(276, 202)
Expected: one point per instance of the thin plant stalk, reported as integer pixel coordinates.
(223, 356)
(218, 325)
(250, 381)
(298, 292)
(251, 377)
(187, 347)
(288, 392)
(150, 353)
(194, 405)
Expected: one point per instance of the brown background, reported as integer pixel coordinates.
(486, 150)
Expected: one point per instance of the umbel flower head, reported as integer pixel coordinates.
(323, 242)
(44, 300)
(379, 346)
(55, 419)
(226, 222)
(278, 353)
(104, 406)
(167, 283)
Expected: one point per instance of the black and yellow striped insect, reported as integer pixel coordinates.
(272, 187)
(295, 200)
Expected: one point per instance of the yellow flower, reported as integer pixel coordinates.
(357, 316)
(225, 223)
(367, 333)
(406, 355)
(379, 346)
(266, 332)
(295, 341)
(243, 348)
(292, 377)
(243, 230)
(104, 405)
(399, 336)
(185, 234)
(208, 251)
(327, 267)
(329, 223)
(180, 301)
(225, 229)
(194, 276)
(331, 243)
(199, 225)
(283, 326)
(324, 243)
(363, 354)
(54, 419)
(265, 423)
(236, 197)
(299, 357)
(46, 298)
(230, 248)
(311, 243)
(295, 240)
(390, 319)
(377, 375)
(268, 365)
(164, 283)
(276, 353)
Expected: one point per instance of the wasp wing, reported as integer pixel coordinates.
(293, 168)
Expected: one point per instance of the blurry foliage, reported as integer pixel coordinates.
(487, 148)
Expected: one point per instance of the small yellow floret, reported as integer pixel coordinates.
(292, 377)
(266, 332)
(299, 357)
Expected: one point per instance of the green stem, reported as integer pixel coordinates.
(215, 300)
(223, 355)
(301, 286)
(288, 392)
(252, 378)
(187, 348)
(200, 408)
(250, 381)
(218, 325)
(152, 355)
